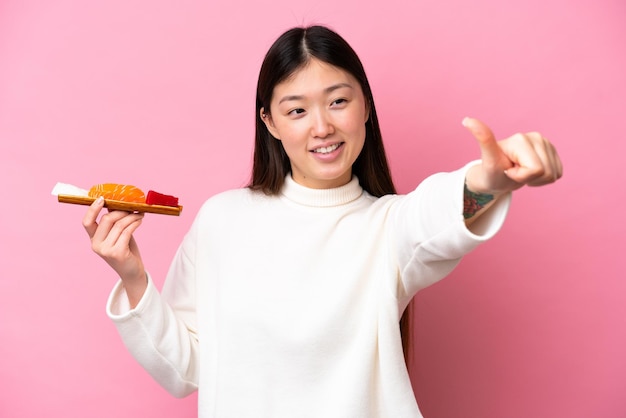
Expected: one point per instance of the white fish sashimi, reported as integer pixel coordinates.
(69, 189)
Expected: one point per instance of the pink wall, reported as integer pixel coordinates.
(160, 94)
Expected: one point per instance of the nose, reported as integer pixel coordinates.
(321, 124)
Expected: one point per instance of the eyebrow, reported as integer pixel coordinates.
(326, 91)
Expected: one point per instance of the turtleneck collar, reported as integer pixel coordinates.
(321, 197)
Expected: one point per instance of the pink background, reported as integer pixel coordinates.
(161, 95)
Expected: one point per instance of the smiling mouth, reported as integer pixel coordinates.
(327, 150)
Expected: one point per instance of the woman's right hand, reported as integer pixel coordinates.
(112, 239)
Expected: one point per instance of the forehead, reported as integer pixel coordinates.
(314, 77)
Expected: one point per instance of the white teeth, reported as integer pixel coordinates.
(326, 150)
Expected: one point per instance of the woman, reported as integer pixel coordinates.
(284, 298)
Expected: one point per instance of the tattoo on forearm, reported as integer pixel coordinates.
(474, 202)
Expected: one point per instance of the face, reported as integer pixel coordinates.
(319, 115)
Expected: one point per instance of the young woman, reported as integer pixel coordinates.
(284, 298)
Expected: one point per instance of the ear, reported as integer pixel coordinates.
(368, 111)
(269, 123)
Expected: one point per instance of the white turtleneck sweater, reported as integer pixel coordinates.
(288, 306)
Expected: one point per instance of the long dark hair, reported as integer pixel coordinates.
(290, 52)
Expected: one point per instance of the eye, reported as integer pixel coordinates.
(296, 112)
(339, 102)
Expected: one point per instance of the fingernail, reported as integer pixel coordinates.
(465, 121)
(99, 200)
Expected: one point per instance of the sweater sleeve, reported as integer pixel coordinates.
(430, 232)
(160, 332)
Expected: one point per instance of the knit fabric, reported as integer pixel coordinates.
(288, 306)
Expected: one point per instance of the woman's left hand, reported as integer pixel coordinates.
(508, 164)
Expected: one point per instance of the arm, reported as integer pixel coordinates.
(429, 232)
(159, 332)
(506, 165)
(112, 239)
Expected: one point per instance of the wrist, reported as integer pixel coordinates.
(474, 202)
(135, 288)
(476, 181)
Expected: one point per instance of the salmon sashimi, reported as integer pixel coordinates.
(123, 192)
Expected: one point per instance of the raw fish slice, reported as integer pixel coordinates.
(155, 198)
(121, 192)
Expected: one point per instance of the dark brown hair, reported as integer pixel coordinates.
(290, 52)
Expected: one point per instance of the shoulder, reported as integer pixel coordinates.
(228, 198)
(233, 201)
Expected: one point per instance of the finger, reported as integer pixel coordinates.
(556, 161)
(89, 220)
(553, 168)
(552, 173)
(529, 159)
(546, 173)
(124, 255)
(490, 151)
(111, 225)
(132, 244)
(120, 240)
(559, 164)
(129, 235)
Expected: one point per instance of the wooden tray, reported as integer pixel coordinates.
(125, 206)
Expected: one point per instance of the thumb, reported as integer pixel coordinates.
(490, 152)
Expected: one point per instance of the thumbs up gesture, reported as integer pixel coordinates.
(508, 164)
